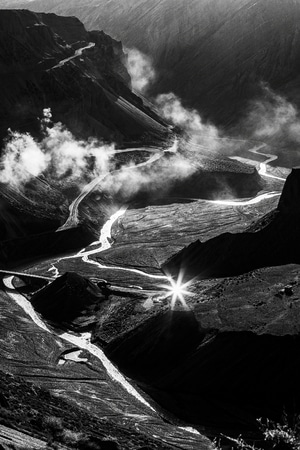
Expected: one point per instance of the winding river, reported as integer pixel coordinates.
(104, 240)
(263, 166)
(83, 341)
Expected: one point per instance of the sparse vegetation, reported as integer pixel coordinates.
(275, 436)
(285, 436)
(36, 412)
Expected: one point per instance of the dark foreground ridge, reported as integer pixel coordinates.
(29, 411)
(275, 241)
(224, 380)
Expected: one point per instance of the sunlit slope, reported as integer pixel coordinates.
(212, 53)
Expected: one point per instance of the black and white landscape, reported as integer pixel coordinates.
(150, 224)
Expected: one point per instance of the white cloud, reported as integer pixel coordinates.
(58, 154)
(140, 69)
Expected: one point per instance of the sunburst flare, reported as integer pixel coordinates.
(177, 290)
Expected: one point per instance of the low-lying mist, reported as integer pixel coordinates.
(270, 118)
(275, 120)
(273, 116)
(60, 156)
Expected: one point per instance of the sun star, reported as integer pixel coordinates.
(177, 290)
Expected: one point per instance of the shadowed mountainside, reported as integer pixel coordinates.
(42, 65)
(207, 377)
(47, 61)
(212, 54)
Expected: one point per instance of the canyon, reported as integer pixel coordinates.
(150, 301)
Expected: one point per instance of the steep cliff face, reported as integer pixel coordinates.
(51, 61)
(289, 202)
(213, 54)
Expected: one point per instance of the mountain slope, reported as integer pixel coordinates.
(47, 61)
(51, 61)
(213, 54)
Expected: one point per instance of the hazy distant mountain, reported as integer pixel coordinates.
(212, 53)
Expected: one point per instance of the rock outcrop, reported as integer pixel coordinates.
(70, 301)
(289, 202)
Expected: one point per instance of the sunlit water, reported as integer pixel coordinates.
(82, 341)
(176, 290)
